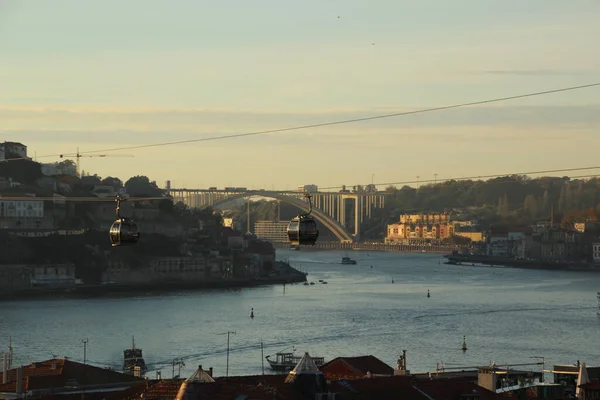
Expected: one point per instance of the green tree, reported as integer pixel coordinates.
(141, 186)
(22, 171)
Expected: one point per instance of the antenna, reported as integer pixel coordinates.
(85, 342)
(227, 333)
(179, 362)
(262, 356)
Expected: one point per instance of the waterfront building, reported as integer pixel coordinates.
(420, 226)
(273, 231)
(596, 252)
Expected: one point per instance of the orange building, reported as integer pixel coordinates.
(420, 226)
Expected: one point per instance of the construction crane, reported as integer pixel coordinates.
(78, 157)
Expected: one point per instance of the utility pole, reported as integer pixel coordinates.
(227, 368)
(85, 342)
(543, 365)
(418, 182)
(435, 178)
(179, 362)
(262, 355)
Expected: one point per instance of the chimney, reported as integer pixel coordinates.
(5, 369)
(210, 371)
(158, 375)
(19, 381)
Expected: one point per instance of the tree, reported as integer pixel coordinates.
(22, 171)
(111, 181)
(141, 186)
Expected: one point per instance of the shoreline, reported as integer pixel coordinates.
(487, 261)
(101, 290)
(357, 246)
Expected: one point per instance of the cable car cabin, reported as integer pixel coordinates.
(124, 232)
(303, 231)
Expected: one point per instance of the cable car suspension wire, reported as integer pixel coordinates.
(332, 123)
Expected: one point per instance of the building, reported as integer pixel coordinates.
(355, 368)
(59, 168)
(420, 226)
(62, 378)
(13, 150)
(596, 252)
(165, 270)
(308, 188)
(273, 231)
(21, 209)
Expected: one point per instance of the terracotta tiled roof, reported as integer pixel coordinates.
(58, 373)
(380, 388)
(454, 389)
(355, 367)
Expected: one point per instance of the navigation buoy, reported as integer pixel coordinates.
(464, 346)
(252, 313)
(428, 295)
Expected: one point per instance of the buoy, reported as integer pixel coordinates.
(252, 313)
(428, 295)
(464, 346)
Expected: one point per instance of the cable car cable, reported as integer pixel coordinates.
(331, 123)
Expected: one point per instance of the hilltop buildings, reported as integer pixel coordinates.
(415, 228)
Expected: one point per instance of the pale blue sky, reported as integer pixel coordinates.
(99, 74)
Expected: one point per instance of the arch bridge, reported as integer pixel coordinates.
(331, 209)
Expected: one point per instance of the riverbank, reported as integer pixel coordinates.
(459, 259)
(373, 246)
(287, 275)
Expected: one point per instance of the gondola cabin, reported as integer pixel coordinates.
(303, 230)
(124, 232)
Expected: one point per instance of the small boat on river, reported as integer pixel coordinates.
(348, 261)
(288, 361)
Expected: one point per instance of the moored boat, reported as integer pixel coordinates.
(133, 362)
(287, 361)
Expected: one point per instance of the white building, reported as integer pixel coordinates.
(21, 208)
(596, 252)
(57, 168)
(308, 188)
(13, 149)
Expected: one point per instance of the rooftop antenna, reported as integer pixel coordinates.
(10, 353)
(85, 342)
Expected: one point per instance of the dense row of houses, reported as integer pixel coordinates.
(343, 378)
(546, 243)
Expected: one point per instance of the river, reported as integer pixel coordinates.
(507, 315)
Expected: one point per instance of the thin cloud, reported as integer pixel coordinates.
(527, 72)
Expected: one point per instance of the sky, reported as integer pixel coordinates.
(98, 75)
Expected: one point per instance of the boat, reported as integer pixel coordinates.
(348, 261)
(133, 360)
(295, 247)
(288, 361)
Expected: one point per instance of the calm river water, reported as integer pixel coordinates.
(507, 315)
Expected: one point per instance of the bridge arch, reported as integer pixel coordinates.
(334, 226)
